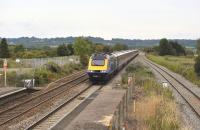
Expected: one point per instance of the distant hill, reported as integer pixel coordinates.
(40, 42)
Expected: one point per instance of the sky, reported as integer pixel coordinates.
(130, 19)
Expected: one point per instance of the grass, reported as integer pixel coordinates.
(181, 65)
(44, 75)
(155, 105)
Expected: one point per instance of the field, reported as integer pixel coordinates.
(181, 65)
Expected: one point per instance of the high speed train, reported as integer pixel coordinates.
(102, 66)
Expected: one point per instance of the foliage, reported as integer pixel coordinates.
(19, 48)
(179, 50)
(62, 50)
(197, 65)
(170, 48)
(98, 48)
(4, 51)
(165, 48)
(42, 76)
(160, 108)
(50, 52)
(69, 68)
(84, 59)
(32, 54)
(83, 48)
(107, 49)
(70, 49)
(53, 67)
(118, 47)
(198, 46)
(30, 42)
(189, 52)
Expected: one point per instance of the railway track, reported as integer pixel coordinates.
(17, 111)
(191, 97)
(15, 96)
(57, 114)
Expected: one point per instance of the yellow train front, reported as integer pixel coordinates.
(101, 67)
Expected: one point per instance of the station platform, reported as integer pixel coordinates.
(107, 111)
(5, 91)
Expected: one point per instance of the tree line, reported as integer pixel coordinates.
(81, 46)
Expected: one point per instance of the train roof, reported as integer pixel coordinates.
(119, 53)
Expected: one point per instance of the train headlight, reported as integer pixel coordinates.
(90, 71)
(103, 71)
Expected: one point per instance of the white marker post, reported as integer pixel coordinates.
(5, 65)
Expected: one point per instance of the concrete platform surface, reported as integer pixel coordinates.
(98, 114)
(5, 91)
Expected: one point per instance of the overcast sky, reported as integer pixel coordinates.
(145, 19)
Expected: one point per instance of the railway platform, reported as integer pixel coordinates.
(107, 111)
(5, 91)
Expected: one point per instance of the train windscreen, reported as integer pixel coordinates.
(98, 62)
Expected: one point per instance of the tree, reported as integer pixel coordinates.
(179, 50)
(198, 46)
(107, 49)
(62, 50)
(98, 48)
(19, 48)
(83, 48)
(118, 47)
(4, 51)
(70, 48)
(197, 66)
(165, 48)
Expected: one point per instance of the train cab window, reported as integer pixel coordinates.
(98, 62)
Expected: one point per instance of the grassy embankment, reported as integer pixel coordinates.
(44, 75)
(155, 106)
(181, 65)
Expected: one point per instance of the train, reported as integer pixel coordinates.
(103, 66)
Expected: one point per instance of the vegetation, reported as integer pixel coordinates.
(197, 60)
(4, 51)
(84, 49)
(62, 50)
(46, 74)
(155, 106)
(170, 48)
(198, 46)
(118, 47)
(181, 65)
(33, 42)
(197, 65)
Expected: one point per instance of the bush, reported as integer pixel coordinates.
(197, 66)
(53, 67)
(69, 68)
(84, 60)
(43, 76)
(133, 67)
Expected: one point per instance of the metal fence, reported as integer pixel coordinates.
(38, 62)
